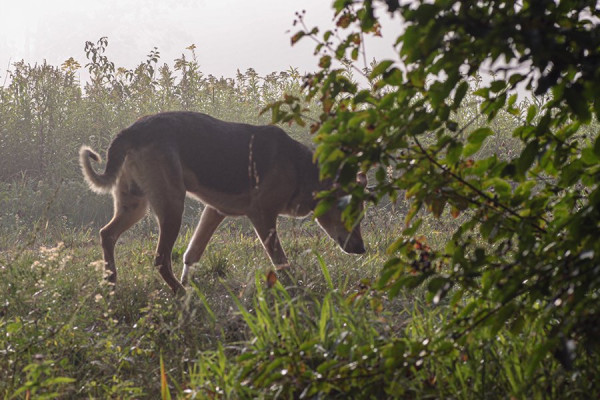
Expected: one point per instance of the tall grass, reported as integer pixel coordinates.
(61, 320)
(67, 334)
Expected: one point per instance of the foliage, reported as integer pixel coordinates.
(524, 258)
(47, 113)
(499, 309)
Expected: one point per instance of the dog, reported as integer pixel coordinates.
(234, 169)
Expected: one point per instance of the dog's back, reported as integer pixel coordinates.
(227, 157)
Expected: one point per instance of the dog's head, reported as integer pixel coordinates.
(331, 222)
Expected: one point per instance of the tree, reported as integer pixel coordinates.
(526, 251)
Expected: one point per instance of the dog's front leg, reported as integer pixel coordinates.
(266, 228)
(209, 221)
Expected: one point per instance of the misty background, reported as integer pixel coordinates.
(228, 35)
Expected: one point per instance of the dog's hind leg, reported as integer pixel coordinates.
(165, 188)
(209, 221)
(130, 206)
(169, 215)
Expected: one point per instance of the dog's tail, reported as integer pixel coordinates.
(103, 183)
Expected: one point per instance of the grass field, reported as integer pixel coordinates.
(68, 334)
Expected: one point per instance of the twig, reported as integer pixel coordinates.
(7, 71)
(476, 190)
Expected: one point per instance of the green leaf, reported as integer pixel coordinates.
(479, 135)
(481, 167)
(325, 271)
(413, 228)
(468, 309)
(578, 104)
(211, 314)
(414, 209)
(392, 267)
(325, 317)
(297, 36)
(417, 78)
(456, 298)
(380, 68)
(460, 93)
(502, 188)
(265, 377)
(489, 229)
(475, 140)
(500, 319)
(411, 281)
(523, 191)
(165, 393)
(497, 86)
(515, 79)
(437, 206)
(483, 92)
(436, 283)
(13, 327)
(416, 188)
(396, 245)
(323, 206)
(589, 157)
(410, 40)
(516, 327)
(362, 97)
(454, 151)
(335, 155)
(540, 352)
(57, 381)
(326, 365)
(527, 157)
(393, 77)
(597, 145)
(531, 113)
(325, 62)
(425, 12)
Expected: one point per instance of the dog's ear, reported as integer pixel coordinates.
(361, 179)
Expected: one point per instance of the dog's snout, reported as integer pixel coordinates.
(360, 249)
(353, 246)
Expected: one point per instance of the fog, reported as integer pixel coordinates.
(228, 35)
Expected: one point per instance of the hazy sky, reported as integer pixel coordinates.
(228, 34)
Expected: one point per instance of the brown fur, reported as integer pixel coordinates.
(234, 169)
